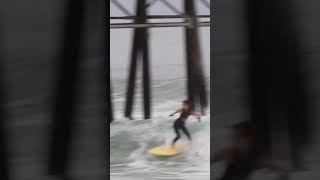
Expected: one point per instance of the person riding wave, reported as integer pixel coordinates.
(179, 124)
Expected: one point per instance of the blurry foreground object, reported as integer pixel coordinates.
(56, 103)
(278, 132)
(243, 155)
(278, 99)
(65, 119)
(4, 169)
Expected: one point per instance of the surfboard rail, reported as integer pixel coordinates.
(168, 150)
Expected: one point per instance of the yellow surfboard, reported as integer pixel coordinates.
(168, 150)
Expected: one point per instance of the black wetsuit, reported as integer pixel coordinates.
(180, 124)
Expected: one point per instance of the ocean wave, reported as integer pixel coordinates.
(130, 141)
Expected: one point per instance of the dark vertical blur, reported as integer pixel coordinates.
(64, 108)
(107, 73)
(4, 169)
(109, 107)
(52, 89)
(279, 104)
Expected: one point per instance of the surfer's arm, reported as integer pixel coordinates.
(177, 111)
(222, 155)
(198, 115)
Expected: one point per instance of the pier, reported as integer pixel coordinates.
(141, 23)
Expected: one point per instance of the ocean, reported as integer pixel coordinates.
(130, 140)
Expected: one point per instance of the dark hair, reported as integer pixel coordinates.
(246, 128)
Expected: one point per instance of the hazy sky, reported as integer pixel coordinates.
(167, 44)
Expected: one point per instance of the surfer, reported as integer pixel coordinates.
(185, 111)
(243, 156)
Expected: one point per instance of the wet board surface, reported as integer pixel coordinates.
(168, 150)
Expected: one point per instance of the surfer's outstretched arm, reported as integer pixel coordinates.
(198, 115)
(177, 111)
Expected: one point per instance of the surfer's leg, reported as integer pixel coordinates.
(176, 129)
(186, 132)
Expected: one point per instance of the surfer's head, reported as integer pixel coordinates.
(187, 104)
(243, 136)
